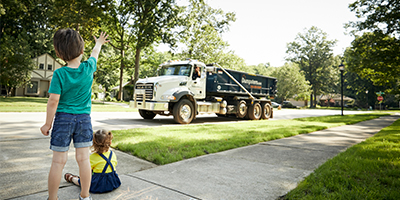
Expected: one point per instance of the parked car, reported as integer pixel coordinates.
(287, 104)
(275, 105)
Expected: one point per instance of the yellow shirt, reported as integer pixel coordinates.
(98, 163)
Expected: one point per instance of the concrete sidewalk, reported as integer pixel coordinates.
(264, 171)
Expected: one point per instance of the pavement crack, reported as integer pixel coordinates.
(168, 188)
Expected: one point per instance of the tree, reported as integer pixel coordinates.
(151, 60)
(357, 87)
(374, 54)
(377, 15)
(107, 74)
(153, 22)
(202, 28)
(118, 23)
(372, 62)
(37, 26)
(18, 34)
(312, 51)
(229, 60)
(82, 15)
(296, 87)
(16, 63)
(262, 69)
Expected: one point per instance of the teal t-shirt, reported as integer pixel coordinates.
(74, 85)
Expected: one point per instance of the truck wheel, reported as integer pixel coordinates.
(147, 114)
(255, 111)
(241, 109)
(266, 111)
(183, 111)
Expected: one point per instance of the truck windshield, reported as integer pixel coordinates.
(182, 70)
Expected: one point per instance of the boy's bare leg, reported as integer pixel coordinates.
(57, 165)
(85, 171)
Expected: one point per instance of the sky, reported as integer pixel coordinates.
(264, 27)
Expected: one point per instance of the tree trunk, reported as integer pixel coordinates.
(121, 75)
(137, 60)
(7, 91)
(315, 98)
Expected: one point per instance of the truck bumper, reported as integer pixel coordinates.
(145, 105)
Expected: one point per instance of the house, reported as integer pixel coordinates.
(127, 91)
(41, 77)
(335, 100)
(298, 103)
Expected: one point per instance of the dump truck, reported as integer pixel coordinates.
(181, 91)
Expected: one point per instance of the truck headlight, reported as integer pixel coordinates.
(168, 97)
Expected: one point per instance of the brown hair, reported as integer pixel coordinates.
(101, 141)
(68, 44)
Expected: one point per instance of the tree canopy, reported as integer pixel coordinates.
(374, 53)
(201, 28)
(297, 87)
(135, 28)
(312, 51)
(376, 16)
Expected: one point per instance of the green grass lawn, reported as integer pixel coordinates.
(162, 145)
(369, 170)
(38, 104)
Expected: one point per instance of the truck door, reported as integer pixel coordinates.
(198, 85)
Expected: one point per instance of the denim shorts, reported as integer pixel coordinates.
(71, 126)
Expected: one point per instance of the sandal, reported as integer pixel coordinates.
(68, 177)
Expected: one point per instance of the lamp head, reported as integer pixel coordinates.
(341, 67)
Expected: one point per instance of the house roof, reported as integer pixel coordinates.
(336, 97)
(50, 57)
(123, 85)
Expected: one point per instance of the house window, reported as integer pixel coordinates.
(32, 87)
(50, 67)
(41, 66)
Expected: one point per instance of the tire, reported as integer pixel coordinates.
(147, 114)
(183, 111)
(266, 111)
(255, 111)
(241, 109)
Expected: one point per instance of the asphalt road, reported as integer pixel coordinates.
(15, 126)
(26, 125)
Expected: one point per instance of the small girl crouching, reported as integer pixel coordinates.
(103, 162)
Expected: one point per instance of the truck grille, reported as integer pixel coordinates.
(148, 87)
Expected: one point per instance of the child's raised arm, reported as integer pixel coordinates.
(99, 42)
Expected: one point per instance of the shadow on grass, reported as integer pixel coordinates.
(24, 100)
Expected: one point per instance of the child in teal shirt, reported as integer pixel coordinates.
(70, 105)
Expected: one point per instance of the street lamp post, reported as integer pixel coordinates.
(366, 92)
(341, 68)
